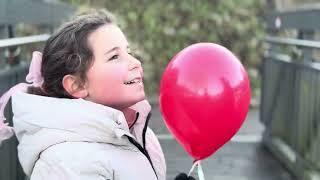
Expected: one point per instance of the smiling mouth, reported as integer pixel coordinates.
(133, 81)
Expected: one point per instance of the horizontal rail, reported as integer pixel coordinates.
(293, 42)
(282, 58)
(18, 41)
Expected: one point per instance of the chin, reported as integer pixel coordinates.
(128, 101)
(141, 98)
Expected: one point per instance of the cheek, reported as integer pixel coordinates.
(116, 75)
(110, 81)
(107, 73)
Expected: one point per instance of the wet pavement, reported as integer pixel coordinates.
(243, 158)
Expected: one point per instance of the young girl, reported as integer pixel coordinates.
(84, 115)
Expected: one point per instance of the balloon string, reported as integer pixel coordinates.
(192, 168)
(200, 170)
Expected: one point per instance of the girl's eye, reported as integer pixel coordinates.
(114, 57)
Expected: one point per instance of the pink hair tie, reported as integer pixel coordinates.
(35, 78)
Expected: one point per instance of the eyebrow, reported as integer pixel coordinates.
(115, 48)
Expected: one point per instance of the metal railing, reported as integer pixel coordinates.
(290, 104)
(293, 42)
(19, 41)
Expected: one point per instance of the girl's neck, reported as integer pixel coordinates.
(130, 116)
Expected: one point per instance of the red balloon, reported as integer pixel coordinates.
(204, 97)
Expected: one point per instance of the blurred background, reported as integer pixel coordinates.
(276, 40)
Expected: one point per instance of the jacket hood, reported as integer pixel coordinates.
(41, 122)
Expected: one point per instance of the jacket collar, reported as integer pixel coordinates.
(90, 120)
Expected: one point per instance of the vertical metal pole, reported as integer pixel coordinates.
(3, 34)
(307, 52)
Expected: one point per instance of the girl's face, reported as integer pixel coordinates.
(115, 78)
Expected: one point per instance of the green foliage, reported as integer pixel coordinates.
(162, 28)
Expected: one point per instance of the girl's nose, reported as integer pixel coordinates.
(133, 62)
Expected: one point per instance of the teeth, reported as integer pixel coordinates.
(133, 81)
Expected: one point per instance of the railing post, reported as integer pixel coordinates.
(3, 34)
(307, 52)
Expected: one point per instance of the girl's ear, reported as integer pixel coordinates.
(73, 87)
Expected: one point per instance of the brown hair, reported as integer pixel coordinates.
(67, 52)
